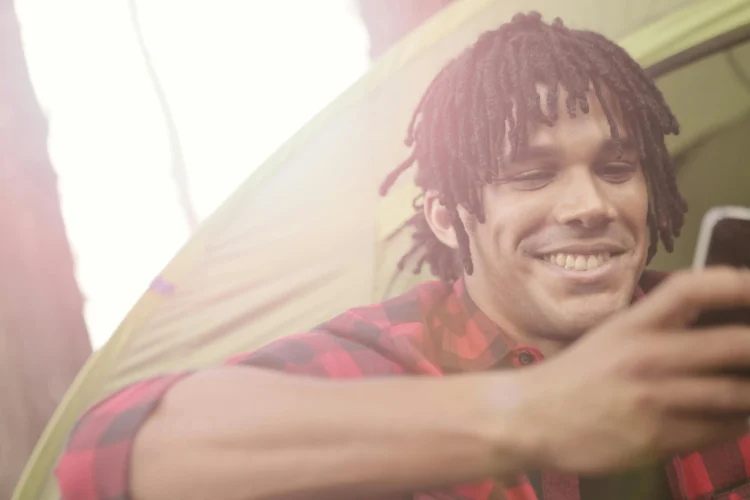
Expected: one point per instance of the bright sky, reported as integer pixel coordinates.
(241, 76)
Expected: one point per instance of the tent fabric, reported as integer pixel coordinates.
(304, 237)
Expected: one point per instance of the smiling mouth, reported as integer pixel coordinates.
(579, 262)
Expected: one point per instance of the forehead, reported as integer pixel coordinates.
(593, 126)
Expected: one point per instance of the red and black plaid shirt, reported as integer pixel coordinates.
(432, 330)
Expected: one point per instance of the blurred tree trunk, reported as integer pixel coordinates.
(43, 337)
(179, 168)
(387, 21)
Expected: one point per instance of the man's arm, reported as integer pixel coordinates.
(244, 433)
(95, 463)
(250, 432)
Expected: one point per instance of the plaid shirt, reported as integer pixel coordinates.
(432, 330)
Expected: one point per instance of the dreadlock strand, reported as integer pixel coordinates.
(464, 139)
(573, 75)
(411, 221)
(463, 242)
(613, 129)
(409, 141)
(528, 88)
(509, 81)
(494, 112)
(395, 174)
(659, 183)
(551, 73)
(642, 86)
(653, 235)
(481, 137)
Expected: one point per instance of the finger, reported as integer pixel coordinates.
(684, 435)
(713, 396)
(695, 351)
(683, 296)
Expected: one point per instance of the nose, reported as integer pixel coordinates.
(583, 202)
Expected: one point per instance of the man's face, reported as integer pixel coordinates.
(565, 237)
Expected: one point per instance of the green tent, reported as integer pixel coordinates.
(303, 238)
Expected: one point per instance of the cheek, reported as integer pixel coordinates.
(511, 216)
(639, 201)
(632, 204)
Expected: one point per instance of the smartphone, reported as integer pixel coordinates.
(724, 240)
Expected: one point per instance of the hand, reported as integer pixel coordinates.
(643, 385)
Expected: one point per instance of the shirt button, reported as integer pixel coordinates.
(525, 357)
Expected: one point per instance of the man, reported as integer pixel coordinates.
(547, 186)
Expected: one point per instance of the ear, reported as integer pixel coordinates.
(439, 219)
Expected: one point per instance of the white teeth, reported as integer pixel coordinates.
(581, 263)
(570, 261)
(577, 262)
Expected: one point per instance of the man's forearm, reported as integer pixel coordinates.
(240, 433)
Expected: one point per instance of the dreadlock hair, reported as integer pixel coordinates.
(489, 93)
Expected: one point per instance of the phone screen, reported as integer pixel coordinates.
(729, 245)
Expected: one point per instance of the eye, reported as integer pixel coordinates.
(617, 173)
(532, 180)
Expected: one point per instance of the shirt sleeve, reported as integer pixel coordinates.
(95, 463)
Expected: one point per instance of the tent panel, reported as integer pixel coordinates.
(707, 96)
(311, 240)
(692, 25)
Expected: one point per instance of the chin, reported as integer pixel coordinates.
(572, 318)
(569, 329)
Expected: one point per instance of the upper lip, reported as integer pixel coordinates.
(592, 248)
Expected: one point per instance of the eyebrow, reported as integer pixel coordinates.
(606, 148)
(610, 146)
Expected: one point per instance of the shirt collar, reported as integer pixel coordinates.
(471, 341)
